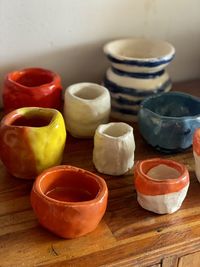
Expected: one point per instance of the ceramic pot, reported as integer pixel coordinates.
(167, 121)
(114, 148)
(33, 87)
(196, 152)
(69, 201)
(137, 71)
(86, 106)
(31, 140)
(161, 184)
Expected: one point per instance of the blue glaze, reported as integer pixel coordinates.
(167, 121)
(137, 74)
(114, 88)
(155, 62)
(124, 101)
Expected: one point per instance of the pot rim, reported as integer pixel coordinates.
(157, 161)
(103, 190)
(103, 89)
(108, 50)
(20, 112)
(175, 93)
(55, 77)
(102, 127)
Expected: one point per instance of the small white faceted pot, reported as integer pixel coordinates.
(161, 184)
(86, 106)
(114, 147)
(196, 152)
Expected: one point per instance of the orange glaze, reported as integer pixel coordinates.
(196, 142)
(69, 194)
(148, 186)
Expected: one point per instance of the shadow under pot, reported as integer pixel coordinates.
(87, 105)
(31, 140)
(167, 121)
(32, 87)
(69, 201)
(161, 184)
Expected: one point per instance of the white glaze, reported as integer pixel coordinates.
(197, 165)
(139, 84)
(87, 105)
(163, 172)
(162, 204)
(114, 148)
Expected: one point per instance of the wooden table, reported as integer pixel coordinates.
(127, 236)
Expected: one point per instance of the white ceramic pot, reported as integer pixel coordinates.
(86, 106)
(137, 71)
(114, 148)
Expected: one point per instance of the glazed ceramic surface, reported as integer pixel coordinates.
(87, 105)
(31, 140)
(196, 152)
(69, 201)
(161, 185)
(33, 87)
(136, 72)
(167, 121)
(114, 148)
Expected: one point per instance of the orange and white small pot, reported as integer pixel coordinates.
(161, 184)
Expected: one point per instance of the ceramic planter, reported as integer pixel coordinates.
(196, 152)
(137, 71)
(114, 148)
(167, 121)
(31, 140)
(33, 87)
(69, 201)
(87, 105)
(161, 184)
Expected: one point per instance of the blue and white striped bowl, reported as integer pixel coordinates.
(139, 55)
(136, 72)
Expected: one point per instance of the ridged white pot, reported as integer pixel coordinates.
(114, 148)
(86, 106)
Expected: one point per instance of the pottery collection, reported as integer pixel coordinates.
(70, 201)
(86, 106)
(137, 71)
(114, 147)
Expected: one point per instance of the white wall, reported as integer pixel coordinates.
(67, 35)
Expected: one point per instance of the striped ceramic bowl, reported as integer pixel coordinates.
(137, 71)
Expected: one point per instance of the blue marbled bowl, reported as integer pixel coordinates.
(167, 121)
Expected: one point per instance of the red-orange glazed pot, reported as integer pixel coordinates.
(32, 87)
(69, 201)
(161, 184)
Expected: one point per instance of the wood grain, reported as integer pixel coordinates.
(127, 235)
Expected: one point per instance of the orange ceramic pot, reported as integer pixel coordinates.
(69, 201)
(31, 140)
(161, 184)
(33, 87)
